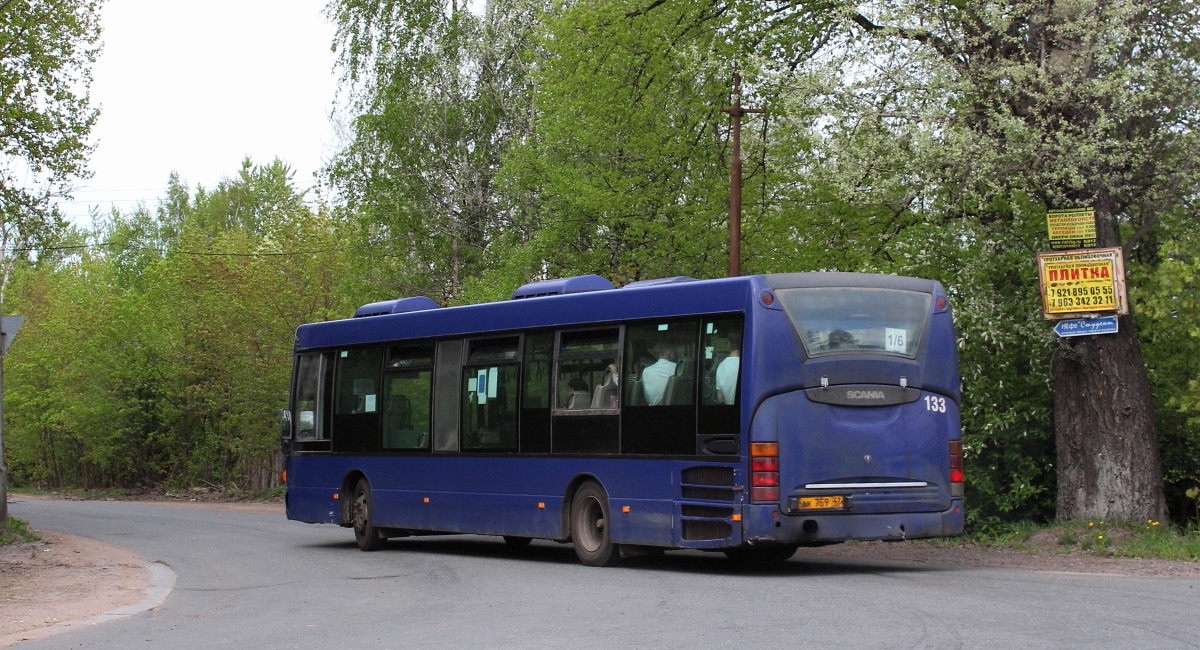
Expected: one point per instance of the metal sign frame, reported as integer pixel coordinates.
(1088, 282)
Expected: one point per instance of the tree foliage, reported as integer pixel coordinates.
(161, 354)
(439, 92)
(46, 50)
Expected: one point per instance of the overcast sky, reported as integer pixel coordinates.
(195, 87)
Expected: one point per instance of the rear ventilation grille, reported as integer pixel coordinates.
(720, 476)
(707, 494)
(698, 530)
(709, 512)
(707, 483)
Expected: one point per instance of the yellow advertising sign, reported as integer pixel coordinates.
(1071, 228)
(1090, 281)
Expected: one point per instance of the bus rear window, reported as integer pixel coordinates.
(834, 320)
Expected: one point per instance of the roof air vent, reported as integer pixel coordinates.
(657, 281)
(562, 286)
(400, 306)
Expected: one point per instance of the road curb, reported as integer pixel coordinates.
(162, 582)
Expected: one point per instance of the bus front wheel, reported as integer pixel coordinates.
(590, 527)
(365, 532)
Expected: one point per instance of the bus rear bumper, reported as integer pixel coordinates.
(766, 524)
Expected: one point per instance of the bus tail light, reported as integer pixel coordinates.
(956, 468)
(764, 471)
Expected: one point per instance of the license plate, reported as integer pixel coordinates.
(820, 503)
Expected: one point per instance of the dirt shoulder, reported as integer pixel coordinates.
(65, 581)
(62, 581)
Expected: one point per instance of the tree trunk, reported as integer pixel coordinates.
(1108, 457)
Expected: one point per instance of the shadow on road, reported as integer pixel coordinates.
(685, 561)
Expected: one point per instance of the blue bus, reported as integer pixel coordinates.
(749, 415)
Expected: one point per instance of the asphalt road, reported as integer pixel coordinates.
(259, 581)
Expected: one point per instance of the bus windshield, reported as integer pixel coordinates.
(833, 320)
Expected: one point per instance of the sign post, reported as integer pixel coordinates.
(8, 330)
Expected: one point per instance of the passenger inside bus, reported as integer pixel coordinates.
(727, 370)
(656, 376)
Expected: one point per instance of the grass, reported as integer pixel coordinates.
(16, 531)
(1147, 539)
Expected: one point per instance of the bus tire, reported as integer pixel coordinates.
(590, 529)
(368, 537)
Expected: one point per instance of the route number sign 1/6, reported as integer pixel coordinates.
(1089, 281)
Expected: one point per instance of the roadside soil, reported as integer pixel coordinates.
(64, 581)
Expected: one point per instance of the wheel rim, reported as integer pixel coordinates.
(361, 514)
(591, 525)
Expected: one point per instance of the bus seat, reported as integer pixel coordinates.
(636, 395)
(669, 391)
(681, 390)
(604, 397)
(578, 400)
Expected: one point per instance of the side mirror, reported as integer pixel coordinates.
(285, 424)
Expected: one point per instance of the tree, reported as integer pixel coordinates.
(46, 50)
(627, 171)
(1072, 105)
(159, 351)
(440, 92)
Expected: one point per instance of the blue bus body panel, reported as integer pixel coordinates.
(519, 496)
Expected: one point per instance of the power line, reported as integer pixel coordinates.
(164, 251)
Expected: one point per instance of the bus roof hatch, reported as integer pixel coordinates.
(578, 284)
(400, 306)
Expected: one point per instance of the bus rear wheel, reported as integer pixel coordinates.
(590, 527)
(366, 534)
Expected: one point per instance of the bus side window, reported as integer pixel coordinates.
(662, 364)
(356, 390)
(355, 423)
(307, 410)
(489, 412)
(407, 389)
(537, 370)
(588, 374)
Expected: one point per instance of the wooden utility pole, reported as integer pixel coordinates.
(735, 176)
